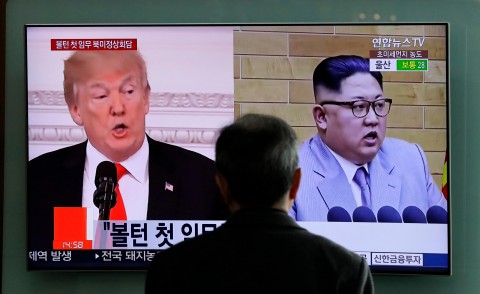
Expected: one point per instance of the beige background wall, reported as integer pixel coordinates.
(273, 67)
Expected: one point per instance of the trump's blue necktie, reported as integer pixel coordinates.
(361, 179)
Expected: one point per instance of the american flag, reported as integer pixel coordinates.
(168, 186)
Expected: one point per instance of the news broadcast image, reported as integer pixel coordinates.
(204, 76)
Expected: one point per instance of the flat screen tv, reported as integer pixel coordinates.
(200, 78)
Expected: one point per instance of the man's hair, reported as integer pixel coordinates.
(257, 155)
(82, 64)
(333, 70)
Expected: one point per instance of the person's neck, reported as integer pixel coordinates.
(281, 205)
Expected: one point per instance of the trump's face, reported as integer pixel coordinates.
(111, 104)
(355, 139)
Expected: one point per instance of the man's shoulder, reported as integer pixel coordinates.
(229, 243)
(314, 155)
(63, 155)
(403, 155)
(399, 148)
(309, 147)
(310, 141)
(328, 246)
(188, 249)
(390, 142)
(177, 153)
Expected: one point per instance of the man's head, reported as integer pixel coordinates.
(355, 132)
(257, 163)
(107, 92)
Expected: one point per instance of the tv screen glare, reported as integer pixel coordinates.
(203, 76)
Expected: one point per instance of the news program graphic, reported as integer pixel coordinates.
(191, 96)
(203, 75)
(70, 228)
(398, 54)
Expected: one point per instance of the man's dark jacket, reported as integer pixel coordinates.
(258, 251)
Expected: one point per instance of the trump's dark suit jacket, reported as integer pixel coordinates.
(258, 251)
(55, 179)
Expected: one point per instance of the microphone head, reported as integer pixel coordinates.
(413, 214)
(106, 170)
(437, 215)
(364, 214)
(388, 214)
(338, 214)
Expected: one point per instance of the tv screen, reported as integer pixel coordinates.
(199, 78)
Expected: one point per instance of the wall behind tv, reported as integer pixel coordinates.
(465, 106)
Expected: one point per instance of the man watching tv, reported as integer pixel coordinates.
(260, 248)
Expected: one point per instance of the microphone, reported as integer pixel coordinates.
(364, 214)
(104, 196)
(338, 214)
(437, 215)
(413, 214)
(388, 214)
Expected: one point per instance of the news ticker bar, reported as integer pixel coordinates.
(92, 256)
(145, 256)
(405, 259)
(158, 235)
(398, 64)
(75, 229)
(399, 60)
(93, 44)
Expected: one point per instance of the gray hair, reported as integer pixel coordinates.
(257, 155)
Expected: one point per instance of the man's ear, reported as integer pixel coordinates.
(319, 116)
(223, 186)
(225, 191)
(75, 114)
(292, 195)
(146, 102)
